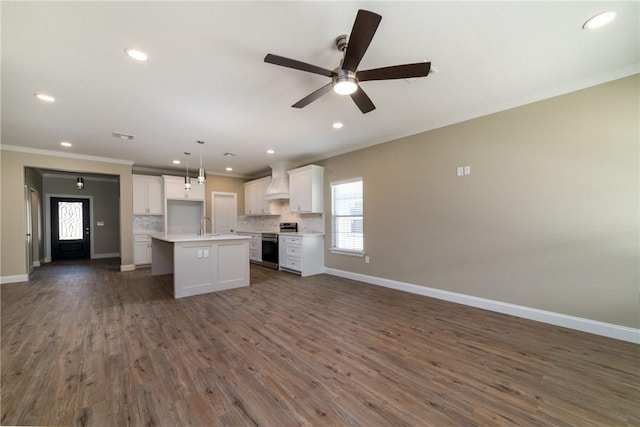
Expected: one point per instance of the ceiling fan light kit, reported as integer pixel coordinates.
(345, 82)
(345, 79)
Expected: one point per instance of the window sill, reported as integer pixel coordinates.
(347, 252)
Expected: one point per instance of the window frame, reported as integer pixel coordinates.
(338, 250)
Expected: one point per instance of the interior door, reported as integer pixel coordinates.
(224, 208)
(28, 202)
(70, 231)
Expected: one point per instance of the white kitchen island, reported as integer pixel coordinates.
(201, 264)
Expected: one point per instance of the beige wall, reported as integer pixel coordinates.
(225, 184)
(547, 219)
(12, 217)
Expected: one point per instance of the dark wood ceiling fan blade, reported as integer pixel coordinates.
(297, 65)
(313, 96)
(362, 101)
(405, 71)
(364, 28)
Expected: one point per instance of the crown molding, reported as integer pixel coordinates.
(61, 154)
(73, 177)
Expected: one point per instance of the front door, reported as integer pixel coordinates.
(70, 232)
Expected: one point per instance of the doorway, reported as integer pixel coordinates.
(70, 228)
(224, 210)
(33, 229)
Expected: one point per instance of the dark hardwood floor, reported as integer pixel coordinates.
(88, 345)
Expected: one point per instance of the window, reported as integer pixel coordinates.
(347, 216)
(70, 221)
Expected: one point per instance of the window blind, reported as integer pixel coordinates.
(347, 215)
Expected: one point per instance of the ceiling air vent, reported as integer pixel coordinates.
(230, 154)
(122, 136)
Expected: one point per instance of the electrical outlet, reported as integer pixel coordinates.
(366, 259)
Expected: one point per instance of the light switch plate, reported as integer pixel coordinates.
(467, 170)
(460, 171)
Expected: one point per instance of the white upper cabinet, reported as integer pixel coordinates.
(147, 195)
(306, 189)
(254, 201)
(174, 189)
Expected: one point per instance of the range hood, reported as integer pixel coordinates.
(279, 186)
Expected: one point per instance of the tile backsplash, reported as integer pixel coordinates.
(148, 224)
(307, 223)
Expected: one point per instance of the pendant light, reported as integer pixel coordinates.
(201, 176)
(187, 180)
(80, 183)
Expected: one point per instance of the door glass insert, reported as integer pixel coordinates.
(70, 220)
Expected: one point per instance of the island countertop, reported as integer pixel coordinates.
(174, 238)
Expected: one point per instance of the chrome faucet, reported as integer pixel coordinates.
(203, 225)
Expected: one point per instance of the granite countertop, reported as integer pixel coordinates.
(301, 233)
(298, 233)
(172, 238)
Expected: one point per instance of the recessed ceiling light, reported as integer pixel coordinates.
(176, 162)
(136, 54)
(45, 97)
(337, 125)
(229, 169)
(270, 152)
(599, 20)
(65, 144)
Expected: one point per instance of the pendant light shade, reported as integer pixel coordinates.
(201, 176)
(80, 183)
(187, 180)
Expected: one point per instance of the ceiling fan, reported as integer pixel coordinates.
(346, 77)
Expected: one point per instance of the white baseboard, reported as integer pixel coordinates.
(618, 332)
(127, 267)
(100, 256)
(36, 263)
(14, 279)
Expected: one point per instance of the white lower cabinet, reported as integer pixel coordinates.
(142, 249)
(255, 245)
(302, 254)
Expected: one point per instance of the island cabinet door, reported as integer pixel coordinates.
(209, 266)
(233, 265)
(195, 268)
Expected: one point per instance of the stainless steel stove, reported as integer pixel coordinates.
(270, 247)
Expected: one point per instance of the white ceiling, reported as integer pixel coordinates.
(206, 80)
